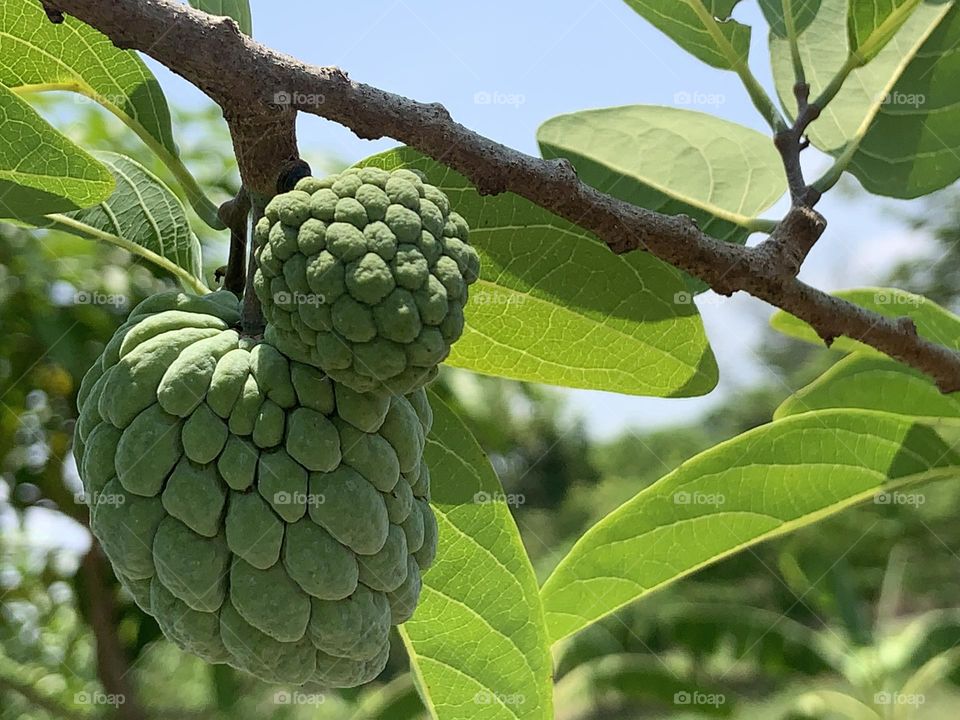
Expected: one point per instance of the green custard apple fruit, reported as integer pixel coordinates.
(267, 516)
(365, 275)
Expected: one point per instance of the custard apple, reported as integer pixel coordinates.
(267, 516)
(365, 275)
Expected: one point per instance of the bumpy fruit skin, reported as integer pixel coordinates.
(365, 275)
(265, 515)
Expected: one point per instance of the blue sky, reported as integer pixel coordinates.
(539, 59)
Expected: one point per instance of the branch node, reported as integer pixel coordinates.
(906, 325)
(691, 224)
(565, 170)
(788, 246)
(441, 111)
(292, 172)
(231, 25)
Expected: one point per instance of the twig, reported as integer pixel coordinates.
(791, 143)
(235, 214)
(261, 90)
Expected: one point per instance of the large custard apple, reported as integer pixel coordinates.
(365, 274)
(266, 516)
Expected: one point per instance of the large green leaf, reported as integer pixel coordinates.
(895, 124)
(239, 10)
(41, 171)
(762, 484)
(673, 161)
(39, 56)
(872, 382)
(142, 216)
(477, 641)
(554, 305)
(787, 15)
(933, 322)
(701, 27)
(872, 23)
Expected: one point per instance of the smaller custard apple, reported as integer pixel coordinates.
(365, 275)
(267, 517)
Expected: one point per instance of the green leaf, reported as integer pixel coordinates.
(40, 56)
(933, 322)
(895, 123)
(701, 27)
(239, 10)
(764, 483)
(871, 24)
(42, 171)
(554, 305)
(142, 216)
(778, 12)
(477, 641)
(673, 161)
(871, 382)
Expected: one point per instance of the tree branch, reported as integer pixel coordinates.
(112, 664)
(260, 91)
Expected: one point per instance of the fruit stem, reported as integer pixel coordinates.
(251, 318)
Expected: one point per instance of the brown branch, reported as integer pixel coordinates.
(112, 664)
(260, 91)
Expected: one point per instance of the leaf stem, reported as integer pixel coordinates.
(189, 281)
(761, 225)
(761, 100)
(251, 314)
(203, 206)
(831, 90)
(830, 178)
(235, 214)
(799, 74)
